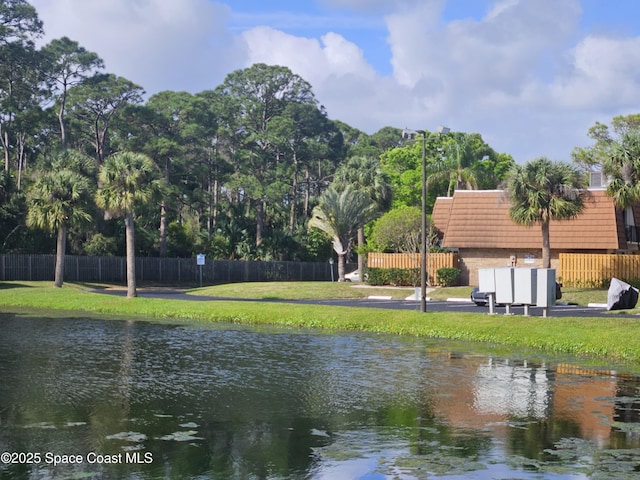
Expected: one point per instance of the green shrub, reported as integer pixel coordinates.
(447, 276)
(393, 276)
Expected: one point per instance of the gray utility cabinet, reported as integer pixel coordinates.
(524, 286)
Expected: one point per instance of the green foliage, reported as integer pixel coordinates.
(179, 243)
(605, 138)
(542, 190)
(245, 161)
(218, 247)
(339, 215)
(101, 245)
(458, 160)
(398, 230)
(393, 276)
(448, 276)
(128, 180)
(623, 169)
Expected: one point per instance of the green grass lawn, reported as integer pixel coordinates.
(322, 290)
(300, 290)
(614, 337)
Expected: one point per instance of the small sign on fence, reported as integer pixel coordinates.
(200, 263)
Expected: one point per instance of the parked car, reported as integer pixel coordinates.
(353, 276)
(481, 298)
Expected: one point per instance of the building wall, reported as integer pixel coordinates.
(471, 259)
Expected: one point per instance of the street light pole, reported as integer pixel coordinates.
(423, 234)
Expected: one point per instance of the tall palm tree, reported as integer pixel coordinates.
(622, 167)
(60, 199)
(365, 173)
(541, 191)
(340, 215)
(127, 180)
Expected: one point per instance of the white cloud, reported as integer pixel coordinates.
(159, 44)
(605, 74)
(310, 58)
(522, 76)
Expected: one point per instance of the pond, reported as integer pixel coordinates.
(88, 398)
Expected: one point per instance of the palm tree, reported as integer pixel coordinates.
(541, 191)
(340, 215)
(622, 167)
(456, 168)
(127, 180)
(60, 199)
(365, 173)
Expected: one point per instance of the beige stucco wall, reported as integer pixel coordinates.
(471, 259)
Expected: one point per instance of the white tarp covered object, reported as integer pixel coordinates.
(621, 295)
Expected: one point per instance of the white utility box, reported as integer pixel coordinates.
(546, 296)
(525, 286)
(487, 280)
(504, 285)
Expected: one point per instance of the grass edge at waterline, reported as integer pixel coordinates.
(614, 338)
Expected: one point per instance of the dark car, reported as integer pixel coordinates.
(481, 298)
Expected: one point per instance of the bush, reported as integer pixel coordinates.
(393, 276)
(447, 276)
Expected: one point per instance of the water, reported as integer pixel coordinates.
(83, 398)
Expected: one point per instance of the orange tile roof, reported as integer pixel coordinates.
(441, 213)
(480, 219)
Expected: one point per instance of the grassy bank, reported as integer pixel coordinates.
(311, 290)
(615, 337)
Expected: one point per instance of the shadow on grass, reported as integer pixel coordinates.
(8, 285)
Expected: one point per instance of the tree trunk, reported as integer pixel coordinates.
(292, 207)
(216, 193)
(63, 131)
(7, 156)
(61, 248)
(21, 162)
(131, 255)
(546, 245)
(163, 229)
(341, 267)
(360, 248)
(307, 194)
(259, 221)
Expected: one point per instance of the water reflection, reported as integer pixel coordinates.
(173, 402)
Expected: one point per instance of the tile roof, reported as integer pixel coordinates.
(480, 219)
(441, 213)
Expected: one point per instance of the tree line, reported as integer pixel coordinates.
(252, 169)
(241, 166)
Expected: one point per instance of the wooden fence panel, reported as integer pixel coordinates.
(435, 261)
(596, 270)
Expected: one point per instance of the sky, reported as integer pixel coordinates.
(530, 76)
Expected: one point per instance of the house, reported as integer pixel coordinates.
(476, 224)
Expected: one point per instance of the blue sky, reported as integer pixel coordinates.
(531, 76)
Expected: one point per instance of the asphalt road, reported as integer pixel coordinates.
(559, 310)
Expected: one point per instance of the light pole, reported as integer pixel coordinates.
(410, 134)
(331, 267)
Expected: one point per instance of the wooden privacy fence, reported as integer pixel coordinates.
(161, 270)
(435, 261)
(583, 270)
